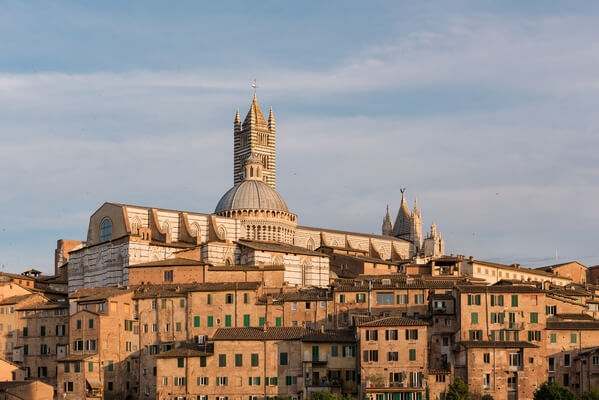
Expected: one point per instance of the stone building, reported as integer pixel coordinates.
(573, 270)
(393, 358)
(42, 339)
(104, 343)
(259, 363)
(250, 225)
(494, 272)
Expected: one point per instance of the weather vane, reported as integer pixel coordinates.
(254, 85)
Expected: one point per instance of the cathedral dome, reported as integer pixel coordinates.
(251, 194)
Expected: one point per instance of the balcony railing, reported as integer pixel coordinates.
(514, 326)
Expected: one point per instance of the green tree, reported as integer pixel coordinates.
(553, 391)
(487, 397)
(592, 394)
(323, 395)
(457, 390)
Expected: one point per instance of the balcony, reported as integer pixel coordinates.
(513, 326)
(323, 359)
(324, 382)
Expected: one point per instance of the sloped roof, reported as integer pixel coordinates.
(549, 268)
(273, 333)
(573, 325)
(99, 293)
(181, 289)
(498, 289)
(171, 262)
(254, 115)
(315, 294)
(497, 344)
(367, 322)
(278, 247)
(186, 350)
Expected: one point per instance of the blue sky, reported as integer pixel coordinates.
(485, 111)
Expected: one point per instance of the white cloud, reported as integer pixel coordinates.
(163, 138)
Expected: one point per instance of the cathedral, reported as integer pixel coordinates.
(250, 227)
(408, 226)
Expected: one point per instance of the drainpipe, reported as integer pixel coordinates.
(369, 296)
(264, 358)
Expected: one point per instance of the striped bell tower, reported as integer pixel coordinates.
(254, 136)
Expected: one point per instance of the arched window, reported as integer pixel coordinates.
(222, 232)
(195, 229)
(310, 244)
(135, 225)
(105, 229)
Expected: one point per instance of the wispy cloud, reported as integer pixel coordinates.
(512, 177)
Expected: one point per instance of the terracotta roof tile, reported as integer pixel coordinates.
(99, 293)
(499, 289)
(278, 247)
(497, 344)
(571, 325)
(366, 322)
(171, 262)
(188, 350)
(282, 333)
(181, 289)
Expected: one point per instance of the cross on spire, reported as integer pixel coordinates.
(254, 85)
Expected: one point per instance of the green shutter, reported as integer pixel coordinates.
(492, 300)
(334, 351)
(180, 362)
(278, 321)
(202, 361)
(246, 320)
(210, 321)
(534, 317)
(514, 300)
(283, 358)
(182, 303)
(553, 337)
(474, 318)
(261, 321)
(90, 366)
(469, 299)
(227, 321)
(314, 353)
(412, 354)
(196, 321)
(288, 380)
(573, 338)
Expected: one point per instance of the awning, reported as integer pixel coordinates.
(94, 383)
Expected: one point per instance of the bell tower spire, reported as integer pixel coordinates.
(256, 137)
